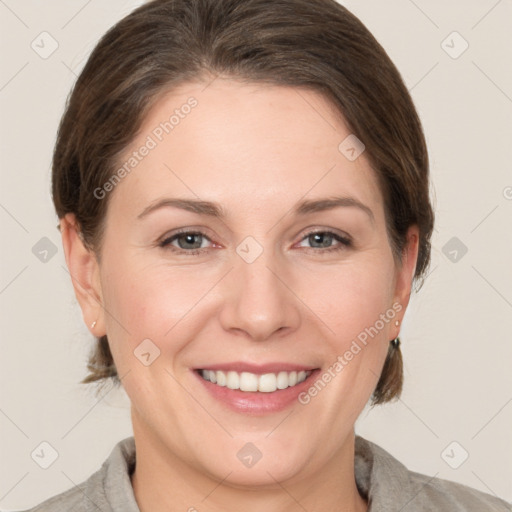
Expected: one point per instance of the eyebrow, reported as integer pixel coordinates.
(217, 211)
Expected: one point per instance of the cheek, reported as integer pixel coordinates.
(153, 302)
(352, 296)
(356, 303)
(358, 308)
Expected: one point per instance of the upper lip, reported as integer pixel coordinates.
(259, 369)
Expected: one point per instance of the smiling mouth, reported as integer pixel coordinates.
(252, 382)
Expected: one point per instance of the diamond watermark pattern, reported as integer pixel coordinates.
(454, 249)
(351, 147)
(454, 45)
(44, 455)
(44, 45)
(249, 455)
(249, 249)
(146, 352)
(454, 455)
(44, 250)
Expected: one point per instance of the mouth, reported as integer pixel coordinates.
(256, 390)
(252, 382)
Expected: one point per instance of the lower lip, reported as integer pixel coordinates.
(255, 402)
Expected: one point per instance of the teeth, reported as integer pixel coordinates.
(267, 383)
(248, 381)
(245, 381)
(233, 380)
(282, 380)
(220, 376)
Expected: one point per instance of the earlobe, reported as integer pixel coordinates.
(84, 271)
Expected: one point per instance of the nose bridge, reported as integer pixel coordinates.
(258, 303)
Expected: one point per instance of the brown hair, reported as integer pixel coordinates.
(315, 44)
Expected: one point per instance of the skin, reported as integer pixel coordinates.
(257, 150)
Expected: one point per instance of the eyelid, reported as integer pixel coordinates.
(185, 231)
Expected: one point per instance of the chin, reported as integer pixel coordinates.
(261, 475)
(248, 466)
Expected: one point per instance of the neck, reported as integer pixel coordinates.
(163, 482)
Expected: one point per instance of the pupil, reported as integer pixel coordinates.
(189, 239)
(322, 238)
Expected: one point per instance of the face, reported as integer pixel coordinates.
(242, 241)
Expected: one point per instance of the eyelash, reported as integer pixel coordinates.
(344, 241)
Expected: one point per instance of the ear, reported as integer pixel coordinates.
(84, 270)
(405, 273)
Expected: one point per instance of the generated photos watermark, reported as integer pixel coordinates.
(355, 348)
(152, 140)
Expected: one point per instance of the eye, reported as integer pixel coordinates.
(190, 242)
(323, 240)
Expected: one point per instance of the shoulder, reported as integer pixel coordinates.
(454, 496)
(80, 498)
(389, 485)
(71, 499)
(107, 489)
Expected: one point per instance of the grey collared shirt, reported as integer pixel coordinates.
(384, 481)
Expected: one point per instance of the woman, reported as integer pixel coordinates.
(242, 189)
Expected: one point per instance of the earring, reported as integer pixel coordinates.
(396, 342)
(93, 325)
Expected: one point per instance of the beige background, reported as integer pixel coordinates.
(457, 341)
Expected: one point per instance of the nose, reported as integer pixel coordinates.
(259, 300)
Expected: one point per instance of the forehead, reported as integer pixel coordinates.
(243, 145)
